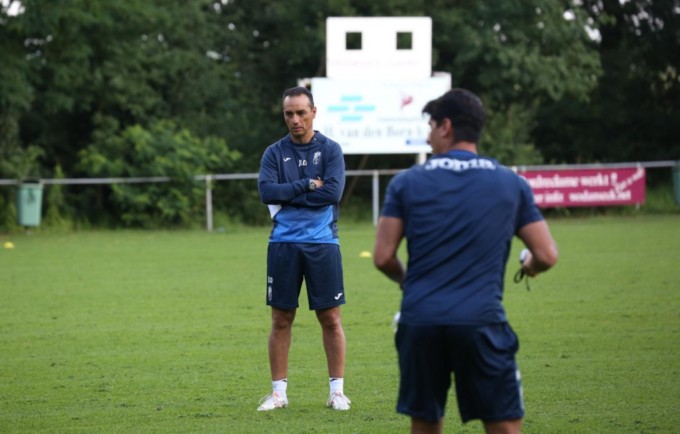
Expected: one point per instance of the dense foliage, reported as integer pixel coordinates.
(84, 84)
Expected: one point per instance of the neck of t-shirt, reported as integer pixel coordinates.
(311, 139)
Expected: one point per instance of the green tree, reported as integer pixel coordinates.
(163, 150)
(632, 115)
(82, 71)
(16, 94)
(517, 56)
(102, 66)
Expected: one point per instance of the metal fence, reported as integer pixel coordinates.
(374, 174)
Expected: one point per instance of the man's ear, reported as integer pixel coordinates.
(446, 128)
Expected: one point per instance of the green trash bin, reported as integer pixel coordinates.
(29, 203)
(676, 182)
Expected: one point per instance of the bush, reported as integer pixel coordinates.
(163, 150)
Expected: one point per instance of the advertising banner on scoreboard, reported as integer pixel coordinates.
(376, 117)
(587, 187)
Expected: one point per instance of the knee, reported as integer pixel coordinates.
(330, 319)
(281, 324)
(282, 320)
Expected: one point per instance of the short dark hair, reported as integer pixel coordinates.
(464, 109)
(297, 91)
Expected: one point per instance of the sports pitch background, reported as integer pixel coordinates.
(126, 331)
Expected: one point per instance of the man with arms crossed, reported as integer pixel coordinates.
(302, 177)
(458, 213)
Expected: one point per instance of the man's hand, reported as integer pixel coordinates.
(524, 259)
(318, 182)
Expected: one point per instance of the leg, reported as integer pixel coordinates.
(419, 426)
(504, 427)
(279, 342)
(424, 376)
(333, 340)
(488, 384)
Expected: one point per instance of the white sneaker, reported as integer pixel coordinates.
(272, 402)
(338, 401)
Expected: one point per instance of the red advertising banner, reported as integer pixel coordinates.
(587, 187)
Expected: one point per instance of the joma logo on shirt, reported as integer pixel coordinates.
(459, 165)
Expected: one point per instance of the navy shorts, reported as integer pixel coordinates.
(319, 265)
(482, 360)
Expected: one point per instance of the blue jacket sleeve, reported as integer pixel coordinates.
(333, 179)
(271, 191)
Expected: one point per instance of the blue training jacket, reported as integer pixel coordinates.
(298, 214)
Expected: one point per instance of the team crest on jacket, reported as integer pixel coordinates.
(317, 157)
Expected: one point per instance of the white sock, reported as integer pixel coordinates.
(280, 387)
(336, 384)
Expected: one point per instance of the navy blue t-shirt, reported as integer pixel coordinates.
(460, 212)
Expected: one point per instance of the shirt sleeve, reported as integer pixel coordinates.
(528, 211)
(393, 204)
(271, 191)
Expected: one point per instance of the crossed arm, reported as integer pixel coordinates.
(330, 184)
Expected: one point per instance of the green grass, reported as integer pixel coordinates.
(159, 332)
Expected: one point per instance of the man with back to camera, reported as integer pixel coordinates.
(458, 212)
(302, 177)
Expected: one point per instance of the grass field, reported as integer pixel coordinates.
(159, 332)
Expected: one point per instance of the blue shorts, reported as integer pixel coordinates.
(482, 360)
(319, 265)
